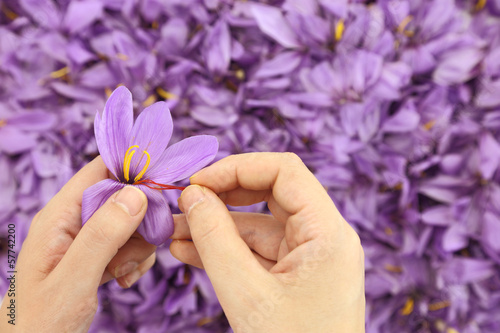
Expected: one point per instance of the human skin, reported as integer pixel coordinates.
(62, 264)
(299, 270)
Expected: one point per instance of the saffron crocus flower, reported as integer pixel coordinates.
(135, 154)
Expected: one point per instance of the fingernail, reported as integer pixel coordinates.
(195, 175)
(125, 268)
(132, 278)
(179, 204)
(131, 199)
(191, 196)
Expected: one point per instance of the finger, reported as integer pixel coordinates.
(266, 263)
(105, 232)
(291, 183)
(67, 202)
(261, 232)
(243, 197)
(311, 212)
(185, 251)
(225, 256)
(54, 228)
(128, 258)
(128, 280)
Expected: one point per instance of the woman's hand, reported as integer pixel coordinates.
(299, 270)
(62, 264)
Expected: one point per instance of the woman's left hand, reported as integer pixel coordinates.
(62, 264)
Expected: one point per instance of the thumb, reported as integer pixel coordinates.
(226, 258)
(105, 232)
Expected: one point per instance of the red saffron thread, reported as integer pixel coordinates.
(156, 186)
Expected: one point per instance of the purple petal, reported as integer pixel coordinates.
(439, 215)
(13, 141)
(283, 63)
(455, 238)
(271, 21)
(489, 150)
(405, 120)
(81, 14)
(300, 6)
(33, 121)
(44, 12)
(174, 36)
(488, 95)
(337, 7)
(54, 44)
(96, 195)
(218, 48)
(78, 53)
(98, 76)
(158, 223)
(74, 92)
(420, 59)
(212, 116)
(491, 231)
(184, 158)
(466, 270)
(452, 163)
(457, 67)
(151, 132)
(394, 77)
(113, 128)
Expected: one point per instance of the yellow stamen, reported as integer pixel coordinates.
(440, 325)
(388, 231)
(122, 56)
(430, 124)
(127, 161)
(204, 321)
(165, 94)
(393, 268)
(408, 307)
(9, 13)
(143, 171)
(154, 25)
(451, 330)
(439, 305)
(3, 122)
(59, 73)
(339, 30)
(240, 74)
(403, 24)
(148, 101)
(480, 4)
(108, 91)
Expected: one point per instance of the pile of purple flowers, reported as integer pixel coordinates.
(393, 104)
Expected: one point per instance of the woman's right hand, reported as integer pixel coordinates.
(299, 270)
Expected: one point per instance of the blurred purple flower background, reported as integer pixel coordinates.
(393, 104)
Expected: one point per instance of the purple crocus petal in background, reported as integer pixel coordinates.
(81, 14)
(272, 22)
(392, 104)
(14, 141)
(96, 195)
(218, 48)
